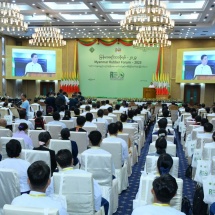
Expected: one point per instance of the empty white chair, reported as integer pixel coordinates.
(151, 165)
(81, 139)
(48, 118)
(17, 210)
(120, 169)
(14, 112)
(74, 118)
(4, 141)
(145, 196)
(101, 126)
(9, 186)
(15, 127)
(78, 190)
(54, 130)
(5, 132)
(113, 117)
(57, 145)
(32, 121)
(170, 149)
(89, 128)
(33, 134)
(100, 165)
(69, 123)
(35, 155)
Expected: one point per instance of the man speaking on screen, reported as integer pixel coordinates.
(203, 68)
(33, 66)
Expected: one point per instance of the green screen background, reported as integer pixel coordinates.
(115, 71)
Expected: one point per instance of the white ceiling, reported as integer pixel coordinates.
(100, 18)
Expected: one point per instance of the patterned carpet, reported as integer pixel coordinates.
(126, 197)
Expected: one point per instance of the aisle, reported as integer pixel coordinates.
(126, 197)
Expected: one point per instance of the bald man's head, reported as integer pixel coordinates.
(3, 123)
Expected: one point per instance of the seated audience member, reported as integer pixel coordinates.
(164, 188)
(120, 131)
(162, 123)
(89, 119)
(39, 180)
(13, 149)
(110, 112)
(163, 133)
(198, 120)
(124, 108)
(103, 105)
(207, 109)
(93, 109)
(208, 129)
(62, 110)
(44, 139)
(107, 104)
(56, 120)
(160, 146)
(22, 116)
(23, 133)
(39, 107)
(87, 110)
(76, 112)
(95, 138)
(39, 121)
(80, 123)
(64, 160)
(117, 109)
(105, 116)
(73, 102)
(209, 146)
(130, 117)
(65, 135)
(164, 164)
(113, 130)
(100, 114)
(67, 115)
(3, 124)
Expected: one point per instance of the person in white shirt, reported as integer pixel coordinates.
(33, 66)
(89, 119)
(100, 114)
(113, 130)
(56, 121)
(203, 68)
(151, 85)
(13, 149)
(124, 108)
(208, 128)
(39, 180)
(65, 162)
(3, 124)
(164, 188)
(87, 110)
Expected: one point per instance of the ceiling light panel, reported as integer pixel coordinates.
(81, 18)
(37, 18)
(186, 5)
(191, 16)
(73, 6)
(108, 6)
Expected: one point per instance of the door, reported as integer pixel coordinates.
(192, 94)
(46, 87)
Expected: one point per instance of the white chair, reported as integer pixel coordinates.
(69, 123)
(74, 118)
(4, 111)
(14, 112)
(151, 165)
(113, 117)
(4, 141)
(89, 128)
(9, 186)
(168, 138)
(145, 196)
(102, 128)
(125, 137)
(35, 155)
(15, 127)
(54, 130)
(170, 149)
(48, 118)
(81, 139)
(33, 134)
(17, 210)
(78, 190)
(120, 169)
(57, 145)
(100, 165)
(32, 121)
(5, 132)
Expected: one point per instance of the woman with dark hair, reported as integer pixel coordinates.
(44, 139)
(23, 133)
(65, 135)
(160, 146)
(13, 149)
(164, 164)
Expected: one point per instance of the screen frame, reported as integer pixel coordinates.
(8, 63)
(179, 65)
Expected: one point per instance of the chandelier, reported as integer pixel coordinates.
(10, 18)
(151, 21)
(47, 36)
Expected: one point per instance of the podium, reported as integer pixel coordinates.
(40, 74)
(149, 93)
(204, 77)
